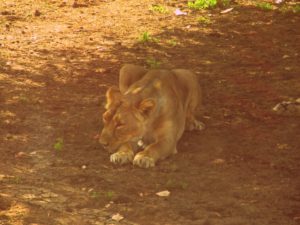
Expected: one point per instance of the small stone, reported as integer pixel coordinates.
(165, 193)
(218, 161)
(20, 154)
(117, 217)
(37, 13)
(285, 56)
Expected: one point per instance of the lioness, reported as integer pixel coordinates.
(149, 111)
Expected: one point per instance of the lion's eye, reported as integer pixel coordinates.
(119, 124)
(106, 116)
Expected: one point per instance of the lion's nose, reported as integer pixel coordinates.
(104, 140)
(104, 143)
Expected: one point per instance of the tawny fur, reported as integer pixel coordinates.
(151, 107)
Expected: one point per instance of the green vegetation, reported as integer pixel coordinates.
(159, 8)
(146, 37)
(296, 9)
(289, 9)
(16, 180)
(110, 195)
(174, 184)
(153, 63)
(23, 99)
(204, 20)
(202, 4)
(265, 5)
(225, 3)
(58, 145)
(95, 194)
(172, 42)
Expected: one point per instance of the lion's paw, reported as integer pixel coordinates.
(199, 125)
(143, 161)
(195, 125)
(121, 157)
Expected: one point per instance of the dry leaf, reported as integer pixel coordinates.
(20, 154)
(165, 193)
(283, 146)
(226, 10)
(178, 12)
(285, 56)
(218, 161)
(117, 217)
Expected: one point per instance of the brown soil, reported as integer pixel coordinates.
(57, 60)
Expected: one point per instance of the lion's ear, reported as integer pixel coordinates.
(113, 97)
(147, 106)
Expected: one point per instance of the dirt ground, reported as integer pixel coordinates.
(57, 60)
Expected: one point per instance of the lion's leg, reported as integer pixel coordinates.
(193, 124)
(130, 74)
(155, 152)
(123, 155)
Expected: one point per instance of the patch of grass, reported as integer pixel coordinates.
(204, 20)
(225, 3)
(290, 9)
(58, 145)
(110, 195)
(153, 63)
(202, 4)
(17, 180)
(23, 99)
(172, 42)
(95, 194)
(174, 184)
(296, 9)
(147, 37)
(159, 9)
(265, 5)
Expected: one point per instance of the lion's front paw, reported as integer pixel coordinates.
(195, 125)
(143, 161)
(199, 125)
(121, 157)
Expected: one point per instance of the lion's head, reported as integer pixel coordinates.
(125, 119)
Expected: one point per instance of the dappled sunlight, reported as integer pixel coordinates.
(3, 77)
(12, 137)
(20, 81)
(28, 82)
(8, 118)
(6, 114)
(21, 98)
(14, 213)
(21, 171)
